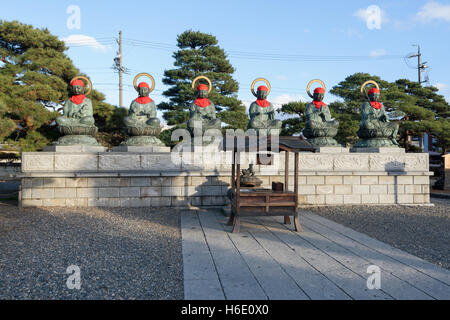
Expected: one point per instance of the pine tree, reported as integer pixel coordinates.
(34, 78)
(7, 125)
(199, 54)
(296, 122)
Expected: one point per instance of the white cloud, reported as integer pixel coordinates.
(84, 40)
(378, 53)
(441, 86)
(434, 11)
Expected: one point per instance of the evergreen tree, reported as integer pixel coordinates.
(199, 54)
(7, 125)
(34, 78)
(296, 122)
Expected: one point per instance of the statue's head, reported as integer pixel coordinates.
(202, 91)
(374, 94)
(319, 94)
(262, 93)
(77, 87)
(143, 89)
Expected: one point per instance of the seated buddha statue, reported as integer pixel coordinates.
(77, 123)
(77, 111)
(375, 129)
(142, 112)
(142, 123)
(320, 128)
(202, 111)
(262, 112)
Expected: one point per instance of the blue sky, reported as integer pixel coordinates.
(334, 30)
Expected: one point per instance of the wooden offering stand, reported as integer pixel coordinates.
(250, 202)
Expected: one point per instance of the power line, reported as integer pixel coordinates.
(266, 56)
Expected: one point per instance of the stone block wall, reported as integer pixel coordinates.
(124, 191)
(159, 180)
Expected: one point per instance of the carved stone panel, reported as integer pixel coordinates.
(351, 162)
(387, 162)
(37, 162)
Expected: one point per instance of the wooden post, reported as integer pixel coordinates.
(233, 189)
(238, 193)
(297, 225)
(286, 172)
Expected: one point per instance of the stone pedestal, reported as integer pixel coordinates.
(141, 149)
(74, 148)
(378, 150)
(332, 150)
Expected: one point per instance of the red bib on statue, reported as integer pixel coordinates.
(78, 99)
(143, 100)
(319, 104)
(202, 102)
(262, 103)
(376, 105)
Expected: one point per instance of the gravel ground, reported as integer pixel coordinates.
(421, 231)
(122, 253)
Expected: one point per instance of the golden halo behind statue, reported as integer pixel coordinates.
(309, 86)
(365, 84)
(142, 75)
(85, 79)
(202, 77)
(257, 80)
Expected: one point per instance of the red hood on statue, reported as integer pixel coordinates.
(77, 98)
(263, 103)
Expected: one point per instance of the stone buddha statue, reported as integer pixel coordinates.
(142, 112)
(262, 112)
(77, 123)
(375, 130)
(202, 111)
(320, 128)
(142, 123)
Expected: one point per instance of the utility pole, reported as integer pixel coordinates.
(420, 66)
(121, 71)
(118, 66)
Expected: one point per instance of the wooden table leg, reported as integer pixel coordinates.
(237, 225)
(231, 220)
(287, 220)
(297, 225)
